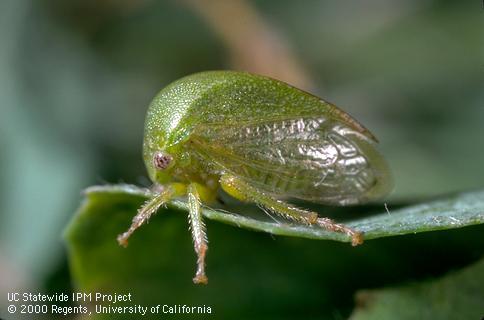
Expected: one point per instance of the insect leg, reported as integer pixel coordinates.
(145, 212)
(243, 191)
(326, 223)
(199, 235)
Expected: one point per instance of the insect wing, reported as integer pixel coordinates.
(316, 158)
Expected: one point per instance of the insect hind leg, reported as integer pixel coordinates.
(244, 191)
(326, 223)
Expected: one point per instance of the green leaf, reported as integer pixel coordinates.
(453, 212)
(159, 262)
(455, 296)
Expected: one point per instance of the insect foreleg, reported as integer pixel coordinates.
(199, 235)
(145, 212)
(243, 191)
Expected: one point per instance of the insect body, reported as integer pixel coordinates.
(261, 140)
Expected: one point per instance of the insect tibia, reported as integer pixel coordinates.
(293, 213)
(145, 212)
(236, 186)
(197, 228)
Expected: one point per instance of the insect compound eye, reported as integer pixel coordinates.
(161, 160)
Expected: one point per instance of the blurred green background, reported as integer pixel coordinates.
(76, 78)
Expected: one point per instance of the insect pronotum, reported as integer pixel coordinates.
(260, 140)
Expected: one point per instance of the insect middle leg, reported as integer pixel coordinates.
(198, 231)
(244, 191)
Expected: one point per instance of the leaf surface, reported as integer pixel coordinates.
(456, 211)
(157, 266)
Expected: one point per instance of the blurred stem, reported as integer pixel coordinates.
(253, 44)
